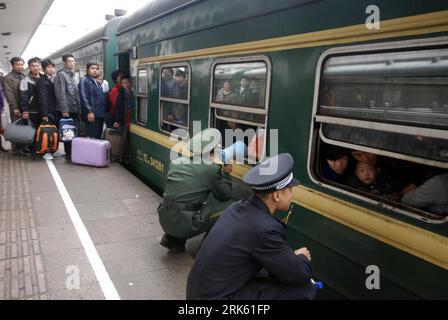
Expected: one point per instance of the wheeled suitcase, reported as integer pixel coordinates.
(91, 152)
(116, 139)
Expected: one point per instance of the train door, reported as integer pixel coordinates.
(124, 63)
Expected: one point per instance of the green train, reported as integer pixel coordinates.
(344, 73)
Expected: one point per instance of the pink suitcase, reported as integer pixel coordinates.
(91, 152)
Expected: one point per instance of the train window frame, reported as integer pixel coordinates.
(142, 96)
(213, 106)
(317, 120)
(162, 99)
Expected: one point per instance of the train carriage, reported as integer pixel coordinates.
(322, 75)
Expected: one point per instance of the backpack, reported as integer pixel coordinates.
(47, 139)
(67, 129)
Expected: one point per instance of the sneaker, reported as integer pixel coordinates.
(58, 154)
(48, 156)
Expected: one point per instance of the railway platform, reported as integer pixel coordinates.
(73, 232)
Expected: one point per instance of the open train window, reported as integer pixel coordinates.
(142, 95)
(391, 105)
(174, 97)
(239, 103)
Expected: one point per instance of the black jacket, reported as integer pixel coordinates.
(120, 109)
(46, 97)
(244, 240)
(28, 100)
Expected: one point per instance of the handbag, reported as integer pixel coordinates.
(19, 133)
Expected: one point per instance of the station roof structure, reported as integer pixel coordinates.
(19, 20)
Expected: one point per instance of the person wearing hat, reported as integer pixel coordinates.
(245, 256)
(196, 192)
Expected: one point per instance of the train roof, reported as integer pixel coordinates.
(101, 33)
(152, 11)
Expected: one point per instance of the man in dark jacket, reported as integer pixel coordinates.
(197, 191)
(245, 256)
(93, 103)
(11, 89)
(28, 99)
(46, 95)
(67, 95)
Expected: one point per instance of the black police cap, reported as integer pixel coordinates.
(272, 174)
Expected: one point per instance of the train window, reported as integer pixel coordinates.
(429, 149)
(142, 82)
(391, 106)
(240, 84)
(174, 97)
(415, 189)
(239, 96)
(394, 87)
(142, 96)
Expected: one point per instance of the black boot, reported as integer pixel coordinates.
(173, 244)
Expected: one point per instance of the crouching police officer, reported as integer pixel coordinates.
(197, 191)
(245, 255)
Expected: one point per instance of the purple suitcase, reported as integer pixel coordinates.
(91, 152)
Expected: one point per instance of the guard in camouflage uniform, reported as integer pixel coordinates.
(196, 193)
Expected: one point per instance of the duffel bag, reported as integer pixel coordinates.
(20, 133)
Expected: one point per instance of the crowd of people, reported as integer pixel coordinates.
(45, 95)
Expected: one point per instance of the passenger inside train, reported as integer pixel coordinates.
(399, 182)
